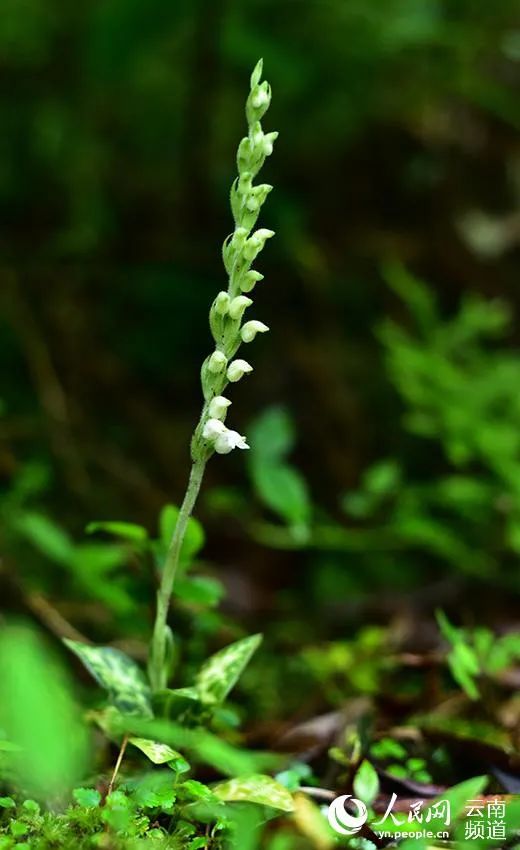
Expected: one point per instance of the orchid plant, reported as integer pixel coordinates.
(130, 691)
(229, 331)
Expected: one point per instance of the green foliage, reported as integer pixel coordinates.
(118, 674)
(477, 653)
(278, 484)
(262, 790)
(366, 783)
(92, 360)
(193, 540)
(220, 673)
(398, 762)
(94, 567)
(39, 715)
(157, 753)
(341, 667)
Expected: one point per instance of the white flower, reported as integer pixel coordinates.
(213, 428)
(237, 369)
(217, 362)
(229, 440)
(251, 329)
(218, 407)
(238, 305)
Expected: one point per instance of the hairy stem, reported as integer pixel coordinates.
(157, 669)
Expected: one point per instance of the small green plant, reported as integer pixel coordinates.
(477, 654)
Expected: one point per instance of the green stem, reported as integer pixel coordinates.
(157, 668)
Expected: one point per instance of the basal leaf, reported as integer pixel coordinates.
(260, 789)
(118, 674)
(220, 673)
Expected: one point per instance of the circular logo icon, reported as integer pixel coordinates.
(342, 821)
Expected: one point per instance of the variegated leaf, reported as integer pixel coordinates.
(118, 674)
(258, 788)
(221, 672)
(157, 753)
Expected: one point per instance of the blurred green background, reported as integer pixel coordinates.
(392, 404)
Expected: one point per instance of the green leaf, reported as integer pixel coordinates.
(39, 714)
(199, 590)
(126, 530)
(18, 828)
(177, 703)
(260, 789)
(382, 478)
(448, 630)
(219, 674)
(118, 674)
(156, 752)
(48, 537)
(283, 489)
(366, 783)
(272, 435)
(193, 540)
(197, 790)
(87, 798)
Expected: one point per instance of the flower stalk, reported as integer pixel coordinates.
(221, 367)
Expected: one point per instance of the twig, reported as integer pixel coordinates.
(118, 764)
(319, 793)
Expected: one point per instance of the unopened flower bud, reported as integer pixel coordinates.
(251, 329)
(244, 183)
(237, 369)
(262, 96)
(221, 303)
(212, 429)
(249, 280)
(217, 362)
(256, 242)
(228, 440)
(268, 142)
(257, 196)
(238, 305)
(232, 245)
(218, 407)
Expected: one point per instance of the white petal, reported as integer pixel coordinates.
(213, 428)
(218, 407)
